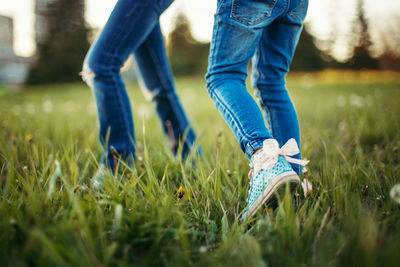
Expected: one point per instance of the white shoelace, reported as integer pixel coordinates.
(270, 152)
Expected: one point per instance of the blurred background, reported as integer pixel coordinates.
(45, 41)
(345, 85)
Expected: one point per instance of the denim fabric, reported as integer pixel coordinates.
(133, 27)
(268, 30)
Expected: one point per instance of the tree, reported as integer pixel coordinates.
(187, 55)
(307, 56)
(389, 58)
(62, 49)
(361, 58)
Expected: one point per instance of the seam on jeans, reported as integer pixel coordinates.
(287, 7)
(267, 112)
(256, 76)
(213, 52)
(248, 22)
(241, 25)
(219, 5)
(282, 16)
(293, 16)
(260, 100)
(132, 11)
(229, 112)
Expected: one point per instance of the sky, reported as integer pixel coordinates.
(321, 15)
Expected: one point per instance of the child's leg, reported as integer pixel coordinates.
(127, 27)
(273, 56)
(152, 60)
(238, 30)
(233, 44)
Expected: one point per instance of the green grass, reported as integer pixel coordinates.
(49, 151)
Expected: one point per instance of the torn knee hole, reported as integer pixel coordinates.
(87, 75)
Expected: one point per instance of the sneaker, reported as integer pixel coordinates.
(104, 175)
(270, 170)
(98, 178)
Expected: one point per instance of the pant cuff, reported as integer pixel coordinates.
(252, 147)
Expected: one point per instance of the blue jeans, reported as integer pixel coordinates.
(133, 27)
(268, 30)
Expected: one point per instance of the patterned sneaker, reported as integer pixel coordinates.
(270, 171)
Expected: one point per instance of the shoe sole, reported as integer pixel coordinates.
(273, 202)
(268, 194)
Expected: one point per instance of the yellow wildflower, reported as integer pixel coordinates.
(181, 192)
(307, 187)
(29, 138)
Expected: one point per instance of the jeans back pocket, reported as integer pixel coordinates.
(252, 12)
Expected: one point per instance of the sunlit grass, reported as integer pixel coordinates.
(168, 212)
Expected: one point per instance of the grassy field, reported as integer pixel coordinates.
(49, 216)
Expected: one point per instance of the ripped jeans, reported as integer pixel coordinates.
(268, 30)
(133, 27)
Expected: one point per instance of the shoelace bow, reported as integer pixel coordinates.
(270, 152)
(268, 156)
